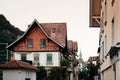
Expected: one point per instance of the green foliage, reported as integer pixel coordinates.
(65, 62)
(58, 74)
(90, 71)
(55, 74)
(41, 73)
(8, 34)
(0, 74)
(83, 75)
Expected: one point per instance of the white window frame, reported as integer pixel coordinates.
(36, 58)
(48, 57)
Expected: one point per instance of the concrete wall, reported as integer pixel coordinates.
(18, 75)
(118, 70)
(109, 36)
(108, 74)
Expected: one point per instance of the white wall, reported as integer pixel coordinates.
(42, 57)
(18, 75)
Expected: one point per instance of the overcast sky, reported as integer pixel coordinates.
(75, 13)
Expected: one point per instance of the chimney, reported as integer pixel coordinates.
(53, 33)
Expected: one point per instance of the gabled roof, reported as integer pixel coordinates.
(16, 64)
(59, 37)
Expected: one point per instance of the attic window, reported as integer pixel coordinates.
(30, 43)
(53, 30)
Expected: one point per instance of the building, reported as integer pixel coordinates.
(106, 15)
(93, 59)
(18, 70)
(41, 44)
(72, 47)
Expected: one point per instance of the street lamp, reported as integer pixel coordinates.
(6, 49)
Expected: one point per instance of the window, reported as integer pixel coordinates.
(53, 30)
(112, 31)
(36, 59)
(49, 58)
(103, 48)
(105, 45)
(23, 57)
(30, 43)
(43, 43)
(112, 2)
(27, 79)
(105, 15)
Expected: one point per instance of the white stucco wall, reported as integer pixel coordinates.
(18, 75)
(42, 57)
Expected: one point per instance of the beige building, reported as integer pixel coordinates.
(106, 15)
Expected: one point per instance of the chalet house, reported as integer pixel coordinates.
(18, 70)
(41, 44)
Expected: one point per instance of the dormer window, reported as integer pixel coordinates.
(53, 30)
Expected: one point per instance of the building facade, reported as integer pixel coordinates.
(41, 44)
(18, 70)
(93, 60)
(108, 19)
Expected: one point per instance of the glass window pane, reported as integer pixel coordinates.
(49, 58)
(43, 43)
(23, 57)
(36, 59)
(30, 43)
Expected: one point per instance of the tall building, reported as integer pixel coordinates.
(105, 14)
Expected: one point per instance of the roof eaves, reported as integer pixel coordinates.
(27, 31)
(22, 35)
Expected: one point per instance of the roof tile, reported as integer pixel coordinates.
(16, 64)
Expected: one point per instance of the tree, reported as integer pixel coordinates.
(92, 70)
(0, 74)
(65, 62)
(41, 73)
(89, 72)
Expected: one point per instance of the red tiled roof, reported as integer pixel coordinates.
(16, 64)
(60, 33)
(59, 36)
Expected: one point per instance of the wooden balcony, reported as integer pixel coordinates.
(95, 11)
